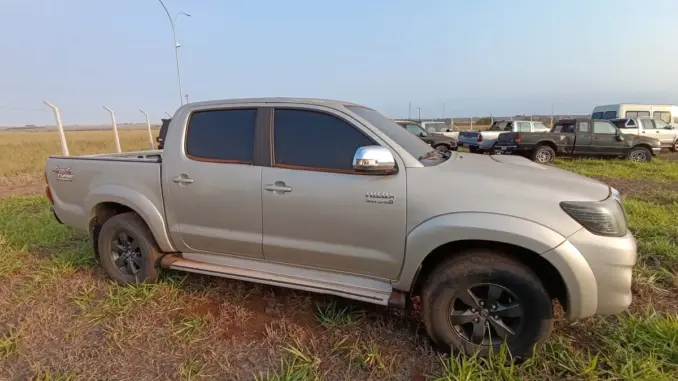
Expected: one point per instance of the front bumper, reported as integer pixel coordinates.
(597, 271)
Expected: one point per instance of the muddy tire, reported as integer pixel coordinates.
(674, 147)
(474, 302)
(639, 154)
(442, 148)
(543, 154)
(127, 250)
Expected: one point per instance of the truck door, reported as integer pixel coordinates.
(604, 139)
(664, 133)
(582, 145)
(212, 182)
(318, 211)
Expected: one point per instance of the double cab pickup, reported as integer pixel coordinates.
(579, 137)
(484, 141)
(333, 197)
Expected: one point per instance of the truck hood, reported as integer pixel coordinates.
(500, 184)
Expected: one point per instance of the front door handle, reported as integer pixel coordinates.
(278, 186)
(182, 179)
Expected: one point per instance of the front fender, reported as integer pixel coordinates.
(136, 201)
(447, 228)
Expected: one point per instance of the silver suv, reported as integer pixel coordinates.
(333, 197)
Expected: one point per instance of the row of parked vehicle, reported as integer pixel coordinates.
(638, 136)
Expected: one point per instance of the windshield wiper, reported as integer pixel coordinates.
(429, 154)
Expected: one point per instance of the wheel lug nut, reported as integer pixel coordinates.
(473, 310)
(482, 303)
(494, 307)
(496, 317)
(475, 320)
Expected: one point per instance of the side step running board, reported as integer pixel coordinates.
(276, 274)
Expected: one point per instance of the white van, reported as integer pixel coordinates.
(667, 113)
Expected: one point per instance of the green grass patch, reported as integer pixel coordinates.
(117, 300)
(332, 315)
(299, 364)
(655, 227)
(189, 329)
(656, 169)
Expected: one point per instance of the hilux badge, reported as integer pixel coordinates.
(379, 198)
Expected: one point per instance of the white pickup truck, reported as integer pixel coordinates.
(335, 198)
(484, 141)
(652, 128)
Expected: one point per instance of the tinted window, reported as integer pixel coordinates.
(597, 115)
(624, 123)
(584, 127)
(524, 127)
(500, 126)
(312, 139)
(609, 115)
(226, 135)
(662, 115)
(563, 128)
(636, 114)
(600, 127)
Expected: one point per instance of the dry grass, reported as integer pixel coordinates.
(62, 319)
(24, 153)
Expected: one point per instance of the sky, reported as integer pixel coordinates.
(453, 58)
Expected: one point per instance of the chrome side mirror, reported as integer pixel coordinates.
(375, 159)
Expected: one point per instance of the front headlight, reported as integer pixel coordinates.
(605, 217)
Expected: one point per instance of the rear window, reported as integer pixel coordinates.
(222, 135)
(597, 115)
(502, 126)
(625, 123)
(163, 132)
(609, 115)
(563, 127)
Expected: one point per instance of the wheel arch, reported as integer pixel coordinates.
(445, 236)
(546, 143)
(108, 201)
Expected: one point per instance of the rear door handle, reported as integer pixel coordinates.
(278, 186)
(182, 179)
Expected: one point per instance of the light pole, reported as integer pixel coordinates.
(176, 46)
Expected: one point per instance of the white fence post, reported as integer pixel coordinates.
(60, 128)
(115, 129)
(148, 124)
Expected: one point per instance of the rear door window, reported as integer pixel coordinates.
(583, 127)
(222, 135)
(524, 127)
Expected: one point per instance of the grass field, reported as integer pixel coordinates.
(62, 319)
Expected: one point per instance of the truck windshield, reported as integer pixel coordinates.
(410, 143)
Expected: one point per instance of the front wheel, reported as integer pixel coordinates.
(640, 154)
(475, 302)
(543, 154)
(127, 250)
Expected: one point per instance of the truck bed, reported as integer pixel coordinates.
(78, 183)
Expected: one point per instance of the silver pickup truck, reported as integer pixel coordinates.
(335, 198)
(484, 141)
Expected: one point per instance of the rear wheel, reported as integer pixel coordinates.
(543, 154)
(674, 147)
(640, 154)
(127, 250)
(477, 301)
